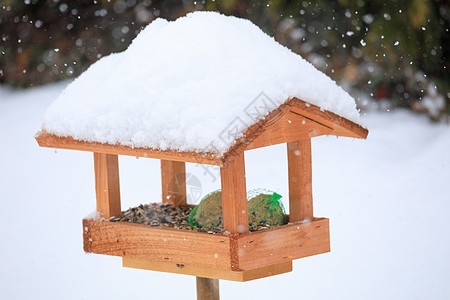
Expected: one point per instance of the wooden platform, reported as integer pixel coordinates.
(240, 276)
(239, 257)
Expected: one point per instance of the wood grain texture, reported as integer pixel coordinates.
(320, 122)
(46, 139)
(285, 243)
(234, 195)
(207, 289)
(257, 254)
(289, 127)
(300, 180)
(267, 271)
(318, 119)
(340, 125)
(107, 185)
(157, 244)
(173, 180)
(240, 276)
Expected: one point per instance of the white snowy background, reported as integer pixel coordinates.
(388, 200)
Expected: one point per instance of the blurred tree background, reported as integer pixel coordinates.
(388, 54)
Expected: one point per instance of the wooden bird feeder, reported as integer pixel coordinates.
(240, 255)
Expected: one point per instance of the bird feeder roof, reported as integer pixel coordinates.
(198, 89)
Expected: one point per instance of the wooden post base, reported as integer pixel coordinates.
(207, 289)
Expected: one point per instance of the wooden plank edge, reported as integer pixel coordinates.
(281, 227)
(277, 269)
(233, 237)
(240, 276)
(96, 222)
(45, 139)
(253, 132)
(87, 222)
(250, 258)
(341, 126)
(158, 244)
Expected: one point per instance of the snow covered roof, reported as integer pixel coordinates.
(191, 84)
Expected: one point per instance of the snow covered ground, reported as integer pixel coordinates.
(388, 200)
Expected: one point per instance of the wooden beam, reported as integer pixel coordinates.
(207, 289)
(282, 244)
(173, 179)
(158, 244)
(288, 128)
(107, 187)
(46, 139)
(240, 276)
(300, 180)
(234, 195)
(317, 122)
(340, 125)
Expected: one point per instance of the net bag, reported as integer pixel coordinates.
(208, 213)
(266, 208)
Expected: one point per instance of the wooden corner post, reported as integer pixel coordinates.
(173, 179)
(107, 187)
(300, 180)
(234, 195)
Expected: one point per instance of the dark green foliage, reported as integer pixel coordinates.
(396, 51)
(51, 40)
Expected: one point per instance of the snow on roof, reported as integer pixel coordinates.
(185, 85)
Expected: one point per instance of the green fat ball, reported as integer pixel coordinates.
(262, 209)
(266, 209)
(208, 213)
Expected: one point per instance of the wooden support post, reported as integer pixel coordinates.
(173, 179)
(234, 195)
(207, 289)
(107, 187)
(300, 180)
